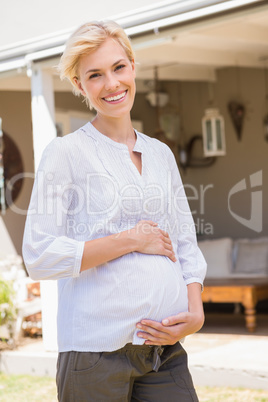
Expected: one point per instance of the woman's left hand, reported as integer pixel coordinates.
(171, 329)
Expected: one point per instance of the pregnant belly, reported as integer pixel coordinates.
(141, 286)
(159, 284)
(115, 296)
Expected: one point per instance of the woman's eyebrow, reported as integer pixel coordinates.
(94, 70)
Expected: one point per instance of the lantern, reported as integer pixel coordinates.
(213, 133)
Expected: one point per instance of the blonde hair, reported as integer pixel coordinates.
(85, 40)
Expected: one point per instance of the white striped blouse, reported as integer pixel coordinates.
(87, 187)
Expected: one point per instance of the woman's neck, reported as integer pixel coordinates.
(118, 129)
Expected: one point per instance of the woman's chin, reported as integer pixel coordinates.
(114, 114)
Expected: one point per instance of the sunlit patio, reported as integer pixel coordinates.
(209, 61)
(222, 353)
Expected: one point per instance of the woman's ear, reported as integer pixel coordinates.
(79, 85)
(133, 67)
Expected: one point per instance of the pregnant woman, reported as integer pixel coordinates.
(109, 220)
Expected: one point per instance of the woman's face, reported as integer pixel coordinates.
(107, 79)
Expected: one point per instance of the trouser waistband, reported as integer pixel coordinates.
(157, 351)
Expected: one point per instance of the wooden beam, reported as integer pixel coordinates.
(244, 32)
(179, 72)
(172, 54)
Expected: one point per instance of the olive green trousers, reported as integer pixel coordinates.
(133, 373)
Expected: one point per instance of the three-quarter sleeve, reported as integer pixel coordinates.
(190, 256)
(47, 250)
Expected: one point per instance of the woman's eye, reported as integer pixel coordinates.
(94, 75)
(119, 67)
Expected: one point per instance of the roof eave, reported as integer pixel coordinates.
(136, 24)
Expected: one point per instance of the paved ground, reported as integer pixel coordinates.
(223, 353)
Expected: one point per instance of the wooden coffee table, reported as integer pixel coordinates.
(247, 291)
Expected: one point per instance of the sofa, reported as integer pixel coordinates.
(241, 258)
(237, 273)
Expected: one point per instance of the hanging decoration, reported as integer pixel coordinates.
(10, 167)
(161, 100)
(213, 133)
(237, 109)
(187, 159)
(213, 129)
(265, 120)
(2, 178)
(170, 122)
(265, 124)
(183, 149)
(189, 150)
(237, 113)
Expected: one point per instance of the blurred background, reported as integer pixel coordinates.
(202, 88)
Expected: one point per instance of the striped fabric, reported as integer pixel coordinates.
(87, 187)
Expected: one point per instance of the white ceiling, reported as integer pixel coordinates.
(195, 52)
(190, 52)
(23, 20)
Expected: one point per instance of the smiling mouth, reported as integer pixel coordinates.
(116, 98)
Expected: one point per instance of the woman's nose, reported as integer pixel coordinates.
(111, 82)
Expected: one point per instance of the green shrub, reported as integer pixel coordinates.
(8, 310)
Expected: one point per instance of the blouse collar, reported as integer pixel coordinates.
(98, 136)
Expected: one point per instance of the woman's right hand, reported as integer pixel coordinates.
(150, 239)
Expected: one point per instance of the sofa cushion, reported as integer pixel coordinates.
(237, 242)
(252, 258)
(218, 255)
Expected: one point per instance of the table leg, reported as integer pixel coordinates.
(250, 316)
(249, 302)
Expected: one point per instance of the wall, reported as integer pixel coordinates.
(15, 110)
(243, 157)
(68, 101)
(210, 186)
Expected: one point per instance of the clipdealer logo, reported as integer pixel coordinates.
(255, 222)
(58, 208)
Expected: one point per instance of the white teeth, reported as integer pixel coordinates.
(117, 97)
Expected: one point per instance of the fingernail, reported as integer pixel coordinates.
(138, 325)
(165, 322)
